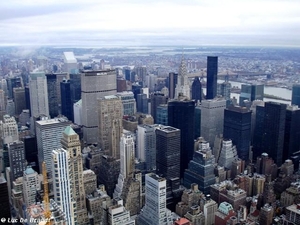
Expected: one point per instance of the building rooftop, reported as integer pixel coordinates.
(29, 171)
(51, 121)
(69, 131)
(69, 57)
(156, 177)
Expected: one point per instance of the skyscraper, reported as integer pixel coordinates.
(212, 77)
(181, 115)
(197, 90)
(63, 193)
(212, 119)
(110, 124)
(9, 129)
(168, 152)
(31, 184)
(173, 77)
(157, 99)
(16, 159)
(66, 101)
(128, 101)
(20, 102)
(94, 85)
(155, 210)
(182, 87)
(274, 128)
(75, 87)
(296, 95)
(70, 62)
(48, 136)
(162, 114)
(4, 198)
(251, 92)
(258, 133)
(13, 82)
(237, 127)
(38, 94)
(70, 142)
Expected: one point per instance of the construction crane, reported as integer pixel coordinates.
(47, 212)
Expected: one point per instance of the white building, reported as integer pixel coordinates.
(182, 86)
(31, 184)
(62, 184)
(228, 154)
(118, 215)
(9, 129)
(38, 94)
(155, 211)
(70, 62)
(212, 119)
(128, 101)
(48, 137)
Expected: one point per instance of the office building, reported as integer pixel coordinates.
(77, 112)
(212, 119)
(70, 63)
(19, 98)
(209, 208)
(142, 103)
(13, 82)
(10, 107)
(118, 215)
(162, 114)
(63, 193)
(48, 136)
(2, 101)
(94, 85)
(128, 101)
(168, 155)
(173, 77)
(17, 161)
(155, 211)
(181, 115)
(201, 169)
(70, 142)
(224, 90)
(141, 72)
(197, 90)
(31, 152)
(296, 95)
(157, 99)
(121, 85)
(224, 213)
(38, 94)
(75, 87)
(237, 127)
(4, 198)
(293, 213)
(66, 101)
(292, 132)
(9, 129)
(197, 122)
(266, 214)
(274, 132)
(251, 92)
(182, 87)
(212, 77)
(146, 145)
(31, 185)
(110, 111)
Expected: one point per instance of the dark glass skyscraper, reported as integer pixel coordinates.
(212, 77)
(173, 77)
(274, 127)
(237, 127)
(181, 115)
(292, 132)
(258, 132)
(75, 87)
(12, 83)
(296, 95)
(66, 101)
(251, 93)
(197, 90)
(157, 99)
(52, 95)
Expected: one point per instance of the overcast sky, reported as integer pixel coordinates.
(150, 22)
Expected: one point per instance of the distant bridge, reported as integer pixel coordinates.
(230, 74)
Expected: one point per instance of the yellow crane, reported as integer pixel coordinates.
(47, 213)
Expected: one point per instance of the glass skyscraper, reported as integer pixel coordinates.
(212, 77)
(296, 95)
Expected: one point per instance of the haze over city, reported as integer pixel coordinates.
(137, 23)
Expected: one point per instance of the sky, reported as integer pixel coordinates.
(100, 23)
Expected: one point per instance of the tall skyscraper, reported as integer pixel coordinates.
(17, 161)
(142, 103)
(31, 184)
(146, 145)
(227, 155)
(70, 142)
(70, 62)
(75, 87)
(141, 72)
(292, 132)
(201, 169)
(162, 114)
(126, 155)
(38, 94)
(128, 101)
(48, 136)
(173, 77)
(237, 127)
(20, 102)
(197, 90)
(224, 89)
(63, 193)
(9, 129)
(66, 101)
(274, 127)
(110, 124)
(212, 77)
(168, 155)
(94, 85)
(181, 115)
(157, 99)
(155, 210)
(258, 134)
(4, 198)
(251, 92)
(13, 82)
(296, 95)
(212, 119)
(183, 86)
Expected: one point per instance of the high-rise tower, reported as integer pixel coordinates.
(183, 86)
(173, 77)
(296, 95)
(94, 85)
(212, 77)
(197, 90)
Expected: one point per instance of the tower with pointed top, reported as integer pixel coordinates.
(182, 86)
(70, 142)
